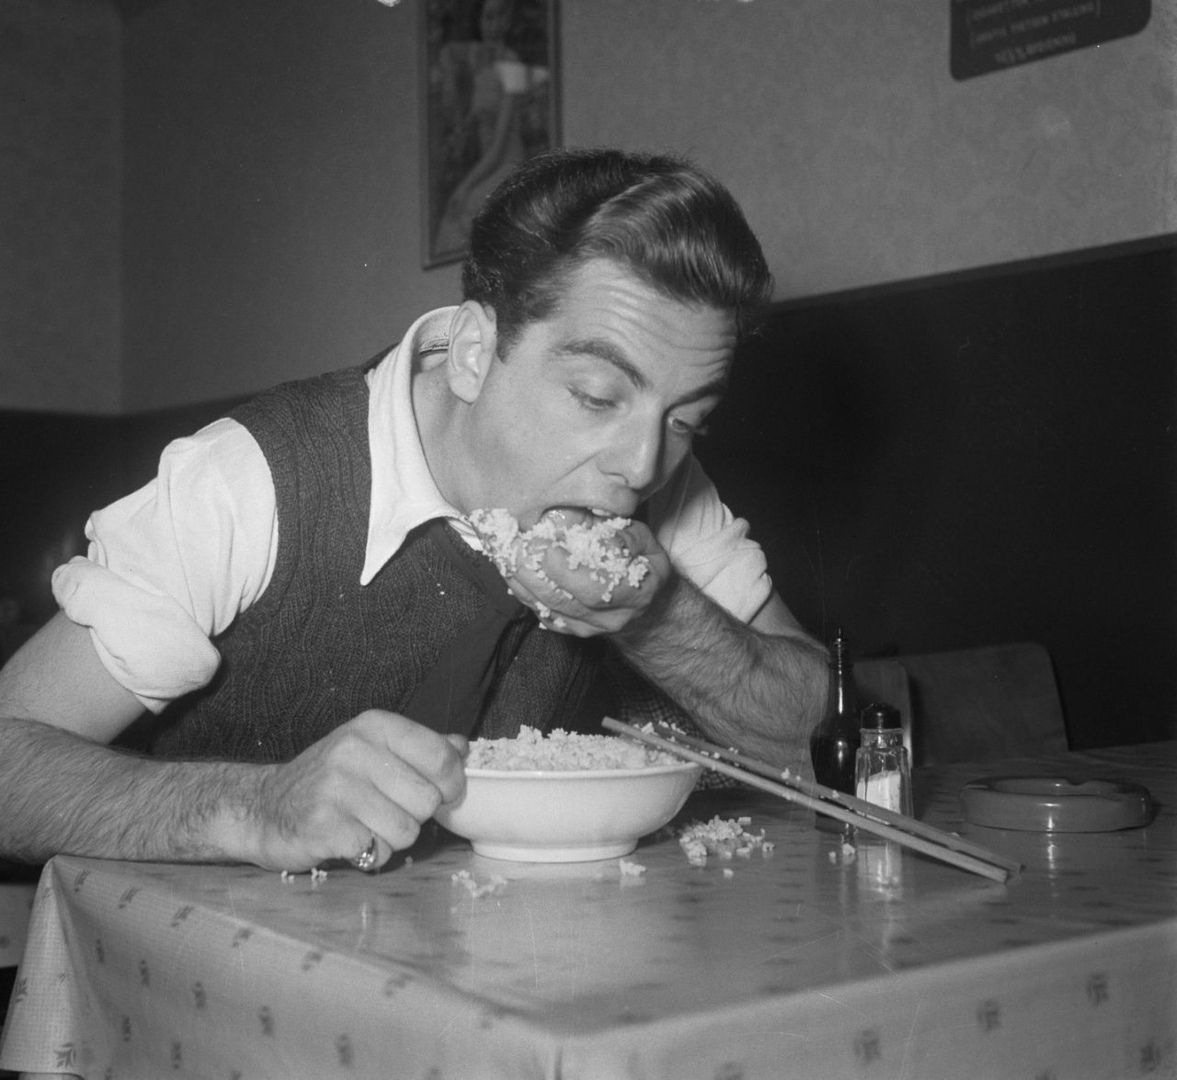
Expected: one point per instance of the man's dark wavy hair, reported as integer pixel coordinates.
(677, 228)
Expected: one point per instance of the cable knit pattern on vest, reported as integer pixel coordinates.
(317, 649)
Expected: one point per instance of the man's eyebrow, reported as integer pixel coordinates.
(602, 350)
(610, 354)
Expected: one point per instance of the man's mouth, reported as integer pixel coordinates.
(580, 513)
(594, 511)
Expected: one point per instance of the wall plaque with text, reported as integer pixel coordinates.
(990, 35)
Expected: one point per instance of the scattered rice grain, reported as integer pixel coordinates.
(721, 837)
(495, 885)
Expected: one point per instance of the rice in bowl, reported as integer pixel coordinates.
(563, 751)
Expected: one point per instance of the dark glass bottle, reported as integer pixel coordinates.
(834, 742)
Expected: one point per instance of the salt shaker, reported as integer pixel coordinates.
(882, 772)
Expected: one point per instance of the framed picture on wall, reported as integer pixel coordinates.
(490, 100)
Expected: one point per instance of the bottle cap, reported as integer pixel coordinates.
(880, 717)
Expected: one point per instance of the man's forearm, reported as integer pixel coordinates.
(60, 793)
(759, 692)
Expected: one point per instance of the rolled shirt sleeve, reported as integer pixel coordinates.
(172, 565)
(708, 544)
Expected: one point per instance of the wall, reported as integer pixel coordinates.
(858, 158)
(271, 167)
(272, 193)
(60, 209)
(273, 186)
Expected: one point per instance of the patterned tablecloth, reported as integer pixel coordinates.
(16, 901)
(811, 960)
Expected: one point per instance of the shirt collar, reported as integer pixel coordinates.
(403, 492)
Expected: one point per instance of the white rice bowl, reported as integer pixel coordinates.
(566, 797)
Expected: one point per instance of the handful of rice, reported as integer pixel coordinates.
(563, 751)
(591, 544)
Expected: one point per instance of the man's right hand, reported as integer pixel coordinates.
(62, 790)
(378, 776)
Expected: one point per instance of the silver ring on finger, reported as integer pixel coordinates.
(366, 859)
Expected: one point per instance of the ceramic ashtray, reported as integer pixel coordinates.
(1056, 804)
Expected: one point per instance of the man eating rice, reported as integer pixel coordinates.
(301, 597)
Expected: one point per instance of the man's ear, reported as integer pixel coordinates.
(473, 343)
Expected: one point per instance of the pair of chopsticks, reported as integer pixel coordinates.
(867, 816)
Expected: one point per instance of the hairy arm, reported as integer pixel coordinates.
(63, 790)
(760, 688)
(63, 793)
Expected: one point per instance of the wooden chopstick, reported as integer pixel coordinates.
(867, 816)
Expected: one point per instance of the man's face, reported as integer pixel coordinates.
(596, 405)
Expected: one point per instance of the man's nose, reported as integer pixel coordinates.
(637, 456)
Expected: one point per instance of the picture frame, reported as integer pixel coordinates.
(490, 99)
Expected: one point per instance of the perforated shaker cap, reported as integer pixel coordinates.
(878, 716)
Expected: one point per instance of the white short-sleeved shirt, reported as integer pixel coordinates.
(171, 566)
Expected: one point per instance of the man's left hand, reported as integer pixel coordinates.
(581, 601)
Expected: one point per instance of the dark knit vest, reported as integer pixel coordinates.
(317, 648)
